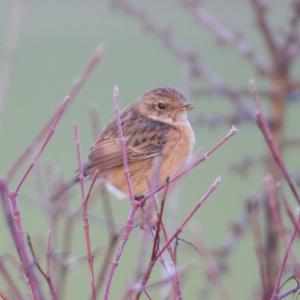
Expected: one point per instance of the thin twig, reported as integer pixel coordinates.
(292, 36)
(106, 202)
(109, 252)
(155, 249)
(279, 160)
(49, 135)
(49, 253)
(194, 163)
(10, 281)
(253, 209)
(19, 244)
(209, 92)
(122, 142)
(265, 129)
(161, 283)
(44, 274)
(228, 36)
(212, 188)
(94, 60)
(134, 204)
(181, 51)
(85, 217)
(291, 291)
(261, 10)
(284, 260)
(212, 269)
(180, 272)
(154, 182)
(125, 236)
(3, 296)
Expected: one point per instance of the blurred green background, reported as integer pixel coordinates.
(57, 38)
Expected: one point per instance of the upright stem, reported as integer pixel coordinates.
(17, 236)
(84, 211)
(277, 114)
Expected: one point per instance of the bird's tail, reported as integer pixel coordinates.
(65, 187)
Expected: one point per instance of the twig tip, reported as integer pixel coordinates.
(251, 83)
(218, 180)
(116, 93)
(253, 93)
(234, 129)
(67, 98)
(100, 50)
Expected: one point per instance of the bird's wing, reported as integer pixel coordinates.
(147, 143)
(106, 154)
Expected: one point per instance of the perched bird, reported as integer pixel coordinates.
(156, 125)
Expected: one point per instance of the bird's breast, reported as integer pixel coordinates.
(177, 152)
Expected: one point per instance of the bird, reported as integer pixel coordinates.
(155, 126)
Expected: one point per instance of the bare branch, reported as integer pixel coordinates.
(229, 37)
(44, 274)
(17, 236)
(94, 60)
(9, 280)
(260, 9)
(265, 129)
(180, 50)
(292, 41)
(85, 218)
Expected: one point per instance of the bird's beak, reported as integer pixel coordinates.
(188, 106)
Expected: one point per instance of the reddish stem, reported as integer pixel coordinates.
(155, 249)
(265, 129)
(198, 160)
(116, 100)
(291, 291)
(3, 296)
(273, 206)
(10, 282)
(212, 188)
(135, 205)
(176, 280)
(50, 133)
(44, 274)
(85, 217)
(284, 260)
(106, 259)
(289, 211)
(168, 278)
(263, 125)
(228, 36)
(13, 196)
(49, 252)
(94, 60)
(19, 244)
(260, 10)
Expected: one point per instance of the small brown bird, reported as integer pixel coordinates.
(156, 125)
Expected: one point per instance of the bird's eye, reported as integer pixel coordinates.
(161, 105)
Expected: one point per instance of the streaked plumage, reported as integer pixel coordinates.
(155, 125)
